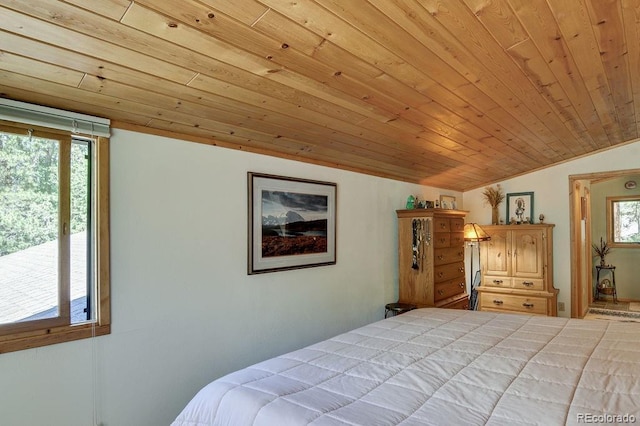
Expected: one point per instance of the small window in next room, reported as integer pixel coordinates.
(623, 221)
(54, 236)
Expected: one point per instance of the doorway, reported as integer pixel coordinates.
(580, 234)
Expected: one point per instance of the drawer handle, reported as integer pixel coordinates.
(440, 292)
(497, 302)
(497, 282)
(442, 240)
(461, 285)
(440, 257)
(440, 274)
(460, 254)
(442, 225)
(527, 283)
(461, 269)
(528, 305)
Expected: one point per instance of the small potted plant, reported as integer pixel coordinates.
(601, 250)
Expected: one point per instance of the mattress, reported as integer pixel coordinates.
(439, 367)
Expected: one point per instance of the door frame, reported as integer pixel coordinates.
(580, 236)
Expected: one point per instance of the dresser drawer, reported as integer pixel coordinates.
(441, 224)
(528, 283)
(456, 239)
(493, 281)
(448, 255)
(513, 303)
(446, 289)
(441, 239)
(449, 271)
(458, 304)
(456, 224)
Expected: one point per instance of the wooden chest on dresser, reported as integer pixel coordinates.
(517, 270)
(431, 258)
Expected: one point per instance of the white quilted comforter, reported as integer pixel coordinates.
(439, 367)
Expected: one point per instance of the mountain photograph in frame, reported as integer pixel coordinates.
(292, 223)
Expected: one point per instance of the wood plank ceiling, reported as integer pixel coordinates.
(455, 94)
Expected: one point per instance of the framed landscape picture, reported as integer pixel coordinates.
(292, 223)
(520, 207)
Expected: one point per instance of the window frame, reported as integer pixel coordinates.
(611, 222)
(37, 333)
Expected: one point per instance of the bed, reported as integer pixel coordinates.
(439, 367)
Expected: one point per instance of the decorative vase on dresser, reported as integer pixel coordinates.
(431, 256)
(517, 270)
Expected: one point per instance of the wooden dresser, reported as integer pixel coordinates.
(517, 270)
(431, 256)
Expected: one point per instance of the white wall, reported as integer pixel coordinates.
(551, 197)
(184, 309)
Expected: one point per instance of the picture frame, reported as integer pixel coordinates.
(447, 202)
(520, 207)
(292, 223)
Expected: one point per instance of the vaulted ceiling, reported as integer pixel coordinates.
(455, 94)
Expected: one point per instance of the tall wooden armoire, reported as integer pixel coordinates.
(431, 256)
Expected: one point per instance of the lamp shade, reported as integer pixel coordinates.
(473, 232)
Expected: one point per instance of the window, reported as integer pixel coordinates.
(623, 221)
(54, 236)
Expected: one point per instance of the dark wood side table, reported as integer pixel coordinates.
(606, 290)
(394, 309)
